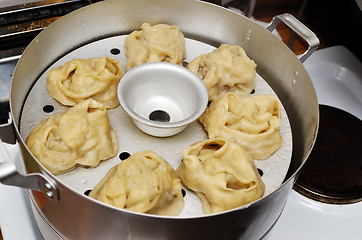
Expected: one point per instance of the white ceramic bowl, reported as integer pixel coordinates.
(162, 98)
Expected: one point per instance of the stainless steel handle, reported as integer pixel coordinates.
(299, 29)
(9, 175)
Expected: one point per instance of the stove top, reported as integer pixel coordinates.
(337, 77)
(22, 20)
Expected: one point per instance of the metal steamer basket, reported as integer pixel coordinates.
(61, 208)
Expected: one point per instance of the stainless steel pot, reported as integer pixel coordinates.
(73, 215)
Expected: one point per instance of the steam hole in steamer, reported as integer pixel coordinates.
(261, 173)
(159, 116)
(87, 192)
(183, 192)
(124, 155)
(48, 108)
(115, 51)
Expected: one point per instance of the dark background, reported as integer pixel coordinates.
(334, 22)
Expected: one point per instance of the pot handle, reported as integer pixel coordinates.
(10, 176)
(300, 29)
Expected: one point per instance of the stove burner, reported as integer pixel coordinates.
(333, 171)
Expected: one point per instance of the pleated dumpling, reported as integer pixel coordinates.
(157, 43)
(252, 122)
(144, 183)
(80, 136)
(226, 69)
(222, 174)
(81, 79)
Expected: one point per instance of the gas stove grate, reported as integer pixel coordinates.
(21, 23)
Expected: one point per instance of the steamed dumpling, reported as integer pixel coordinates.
(222, 174)
(80, 136)
(81, 79)
(143, 183)
(158, 43)
(226, 69)
(252, 122)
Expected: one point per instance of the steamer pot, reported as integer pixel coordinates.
(73, 215)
